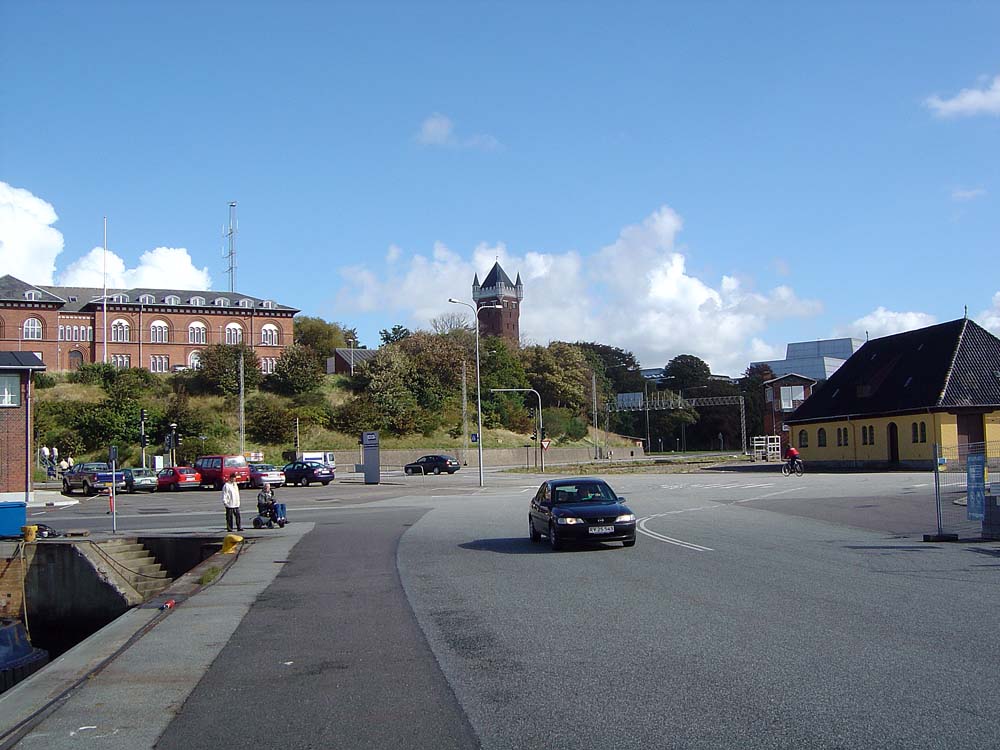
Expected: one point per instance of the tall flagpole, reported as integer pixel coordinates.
(105, 297)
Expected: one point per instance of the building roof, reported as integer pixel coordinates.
(20, 361)
(814, 359)
(77, 298)
(790, 376)
(949, 365)
(497, 276)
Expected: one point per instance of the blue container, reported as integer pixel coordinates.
(13, 515)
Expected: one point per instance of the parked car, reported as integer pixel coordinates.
(91, 477)
(583, 509)
(260, 473)
(178, 478)
(306, 472)
(433, 465)
(216, 470)
(139, 479)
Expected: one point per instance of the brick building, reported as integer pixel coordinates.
(159, 329)
(497, 288)
(16, 369)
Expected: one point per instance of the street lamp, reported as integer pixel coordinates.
(173, 443)
(540, 424)
(479, 400)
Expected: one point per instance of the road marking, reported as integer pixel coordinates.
(667, 539)
(766, 495)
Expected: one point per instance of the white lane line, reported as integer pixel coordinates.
(765, 495)
(669, 540)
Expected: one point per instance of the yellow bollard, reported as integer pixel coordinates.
(231, 543)
(29, 532)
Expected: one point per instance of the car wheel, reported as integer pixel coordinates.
(326, 483)
(629, 543)
(553, 539)
(130, 490)
(408, 472)
(304, 481)
(174, 487)
(88, 490)
(437, 469)
(217, 485)
(67, 490)
(533, 535)
(257, 523)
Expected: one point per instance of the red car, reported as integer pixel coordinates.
(178, 478)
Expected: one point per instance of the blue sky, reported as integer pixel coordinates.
(707, 178)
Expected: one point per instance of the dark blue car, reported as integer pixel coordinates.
(582, 510)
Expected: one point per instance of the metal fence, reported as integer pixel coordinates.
(962, 486)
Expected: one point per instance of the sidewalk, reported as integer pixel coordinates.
(50, 499)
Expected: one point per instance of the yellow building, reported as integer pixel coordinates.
(899, 396)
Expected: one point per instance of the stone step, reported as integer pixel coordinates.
(151, 587)
(116, 546)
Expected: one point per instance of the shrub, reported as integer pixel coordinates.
(43, 380)
(268, 420)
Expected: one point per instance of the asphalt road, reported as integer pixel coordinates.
(756, 611)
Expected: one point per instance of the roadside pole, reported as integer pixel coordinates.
(113, 455)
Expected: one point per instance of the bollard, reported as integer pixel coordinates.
(29, 532)
(231, 543)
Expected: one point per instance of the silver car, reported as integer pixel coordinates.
(260, 473)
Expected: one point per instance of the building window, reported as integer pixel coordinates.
(172, 299)
(120, 298)
(267, 365)
(61, 328)
(803, 439)
(221, 302)
(196, 301)
(194, 360)
(864, 435)
(234, 333)
(10, 390)
(32, 329)
(923, 432)
(32, 295)
(246, 302)
(197, 333)
(871, 434)
(840, 437)
(821, 438)
(90, 333)
(76, 333)
(267, 303)
(121, 361)
(159, 333)
(916, 433)
(159, 363)
(845, 436)
(790, 394)
(146, 299)
(269, 335)
(120, 331)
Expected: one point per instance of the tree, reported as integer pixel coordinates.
(560, 373)
(220, 373)
(437, 367)
(449, 322)
(500, 367)
(297, 370)
(398, 333)
(686, 371)
(752, 387)
(268, 420)
(322, 337)
(386, 398)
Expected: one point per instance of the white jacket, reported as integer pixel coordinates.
(231, 495)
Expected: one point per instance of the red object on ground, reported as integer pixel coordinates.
(168, 604)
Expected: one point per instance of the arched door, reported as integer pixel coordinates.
(893, 443)
(75, 359)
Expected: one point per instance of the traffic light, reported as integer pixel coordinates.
(534, 435)
(531, 412)
(543, 433)
(168, 441)
(178, 439)
(142, 415)
(143, 440)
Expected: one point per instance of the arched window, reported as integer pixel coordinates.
(172, 299)
(840, 437)
(90, 333)
(871, 434)
(864, 435)
(803, 439)
(234, 333)
(76, 333)
(121, 360)
(267, 365)
(221, 302)
(269, 335)
(120, 330)
(197, 333)
(845, 436)
(62, 330)
(159, 333)
(159, 363)
(194, 360)
(32, 329)
(146, 299)
(923, 432)
(916, 433)
(196, 300)
(821, 438)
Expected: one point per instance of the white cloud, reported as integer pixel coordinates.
(962, 194)
(438, 130)
(161, 268)
(881, 322)
(991, 318)
(968, 102)
(393, 253)
(635, 293)
(28, 242)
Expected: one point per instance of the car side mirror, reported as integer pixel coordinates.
(621, 499)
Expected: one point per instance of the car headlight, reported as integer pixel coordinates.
(625, 518)
(565, 521)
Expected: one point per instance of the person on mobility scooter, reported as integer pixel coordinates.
(269, 512)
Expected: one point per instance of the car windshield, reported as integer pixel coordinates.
(142, 472)
(314, 464)
(584, 492)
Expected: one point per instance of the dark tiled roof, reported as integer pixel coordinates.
(496, 276)
(359, 355)
(946, 365)
(20, 361)
(12, 288)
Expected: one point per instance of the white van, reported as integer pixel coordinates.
(324, 457)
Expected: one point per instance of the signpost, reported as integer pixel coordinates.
(546, 444)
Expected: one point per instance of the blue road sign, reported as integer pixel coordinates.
(475, 437)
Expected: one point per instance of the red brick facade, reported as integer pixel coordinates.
(15, 432)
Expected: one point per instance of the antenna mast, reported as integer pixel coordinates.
(230, 253)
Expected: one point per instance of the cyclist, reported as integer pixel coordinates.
(792, 455)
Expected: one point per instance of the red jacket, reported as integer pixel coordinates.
(791, 453)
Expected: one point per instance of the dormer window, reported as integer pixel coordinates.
(172, 299)
(32, 295)
(246, 302)
(267, 303)
(221, 302)
(119, 298)
(146, 299)
(72, 298)
(196, 301)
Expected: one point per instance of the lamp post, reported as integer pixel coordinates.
(173, 443)
(479, 399)
(540, 424)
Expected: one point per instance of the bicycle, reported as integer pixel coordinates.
(799, 468)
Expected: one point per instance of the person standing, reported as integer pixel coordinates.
(231, 501)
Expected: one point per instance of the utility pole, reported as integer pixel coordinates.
(465, 419)
(593, 389)
(242, 424)
(230, 253)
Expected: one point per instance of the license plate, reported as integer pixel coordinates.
(601, 530)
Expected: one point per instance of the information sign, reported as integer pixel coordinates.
(975, 482)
